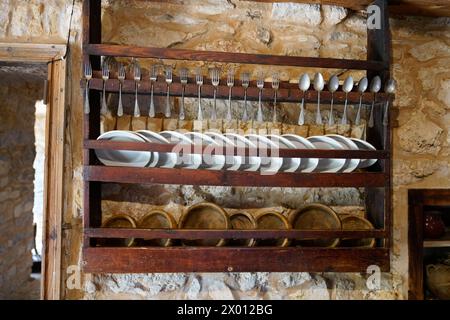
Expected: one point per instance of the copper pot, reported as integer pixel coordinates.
(434, 226)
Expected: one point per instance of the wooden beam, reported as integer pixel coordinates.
(26, 52)
(227, 259)
(53, 182)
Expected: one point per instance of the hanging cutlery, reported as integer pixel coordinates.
(184, 80)
(318, 86)
(375, 86)
(275, 87)
(87, 77)
(215, 80)
(333, 85)
(303, 83)
(230, 84)
(169, 80)
(153, 79)
(199, 81)
(245, 78)
(260, 85)
(137, 79)
(121, 76)
(105, 77)
(346, 87)
(362, 87)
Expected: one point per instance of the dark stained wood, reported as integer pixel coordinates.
(432, 8)
(231, 178)
(217, 56)
(212, 259)
(415, 244)
(91, 123)
(289, 94)
(198, 149)
(434, 197)
(230, 234)
(227, 259)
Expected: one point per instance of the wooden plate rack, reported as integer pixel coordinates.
(376, 181)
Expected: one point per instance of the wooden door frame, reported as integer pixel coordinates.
(52, 55)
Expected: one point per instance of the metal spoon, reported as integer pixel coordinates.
(303, 83)
(362, 87)
(319, 83)
(389, 89)
(375, 86)
(333, 85)
(347, 87)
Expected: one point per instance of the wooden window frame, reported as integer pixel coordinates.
(52, 55)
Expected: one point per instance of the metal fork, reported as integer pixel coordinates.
(230, 84)
(153, 78)
(88, 77)
(121, 76)
(260, 85)
(184, 80)
(137, 79)
(105, 77)
(215, 80)
(169, 80)
(275, 87)
(199, 81)
(245, 78)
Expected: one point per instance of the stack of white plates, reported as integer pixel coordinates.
(211, 141)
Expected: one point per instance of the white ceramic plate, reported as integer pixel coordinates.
(186, 161)
(123, 158)
(350, 164)
(250, 163)
(306, 164)
(209, 161)
(159, 159)
(289, 164)
(269, 165)
(327, 164)
(232, 162)
(364, 145)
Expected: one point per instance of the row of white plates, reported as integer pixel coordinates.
(232, 161)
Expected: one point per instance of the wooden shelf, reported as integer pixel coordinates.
(237, 259)
(231, 57)
(443, 242)
(123, 233)
(289, 92)
(232, 178)
(227, 259)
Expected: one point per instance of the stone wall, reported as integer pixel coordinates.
(421, 54)
(19, 93)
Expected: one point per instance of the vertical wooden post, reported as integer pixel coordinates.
(91, 124)
(415, 245)
(379, 49)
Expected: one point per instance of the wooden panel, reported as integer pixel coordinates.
(435, 197)
(35, 53)
(218, 56)
(211, 259)
(198, 149)
(290, 94)
(53, 184)
(434, 8)
(230, 234)
(231, 178)
(415, 238)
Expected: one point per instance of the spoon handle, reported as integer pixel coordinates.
(386, 114)
(318, 115)
(200, 113)
(245, 115)
(259, 116)
(137, 112)
(358, 114)
(301, 117)
(229, 105)
(104, 108)
(182, 115)
(331, 116)
(168, 113)
(214, 113)
(120, 107)
(87, 108)
(152, 112)
(274, 120)
(344, 116)
(371, 122)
